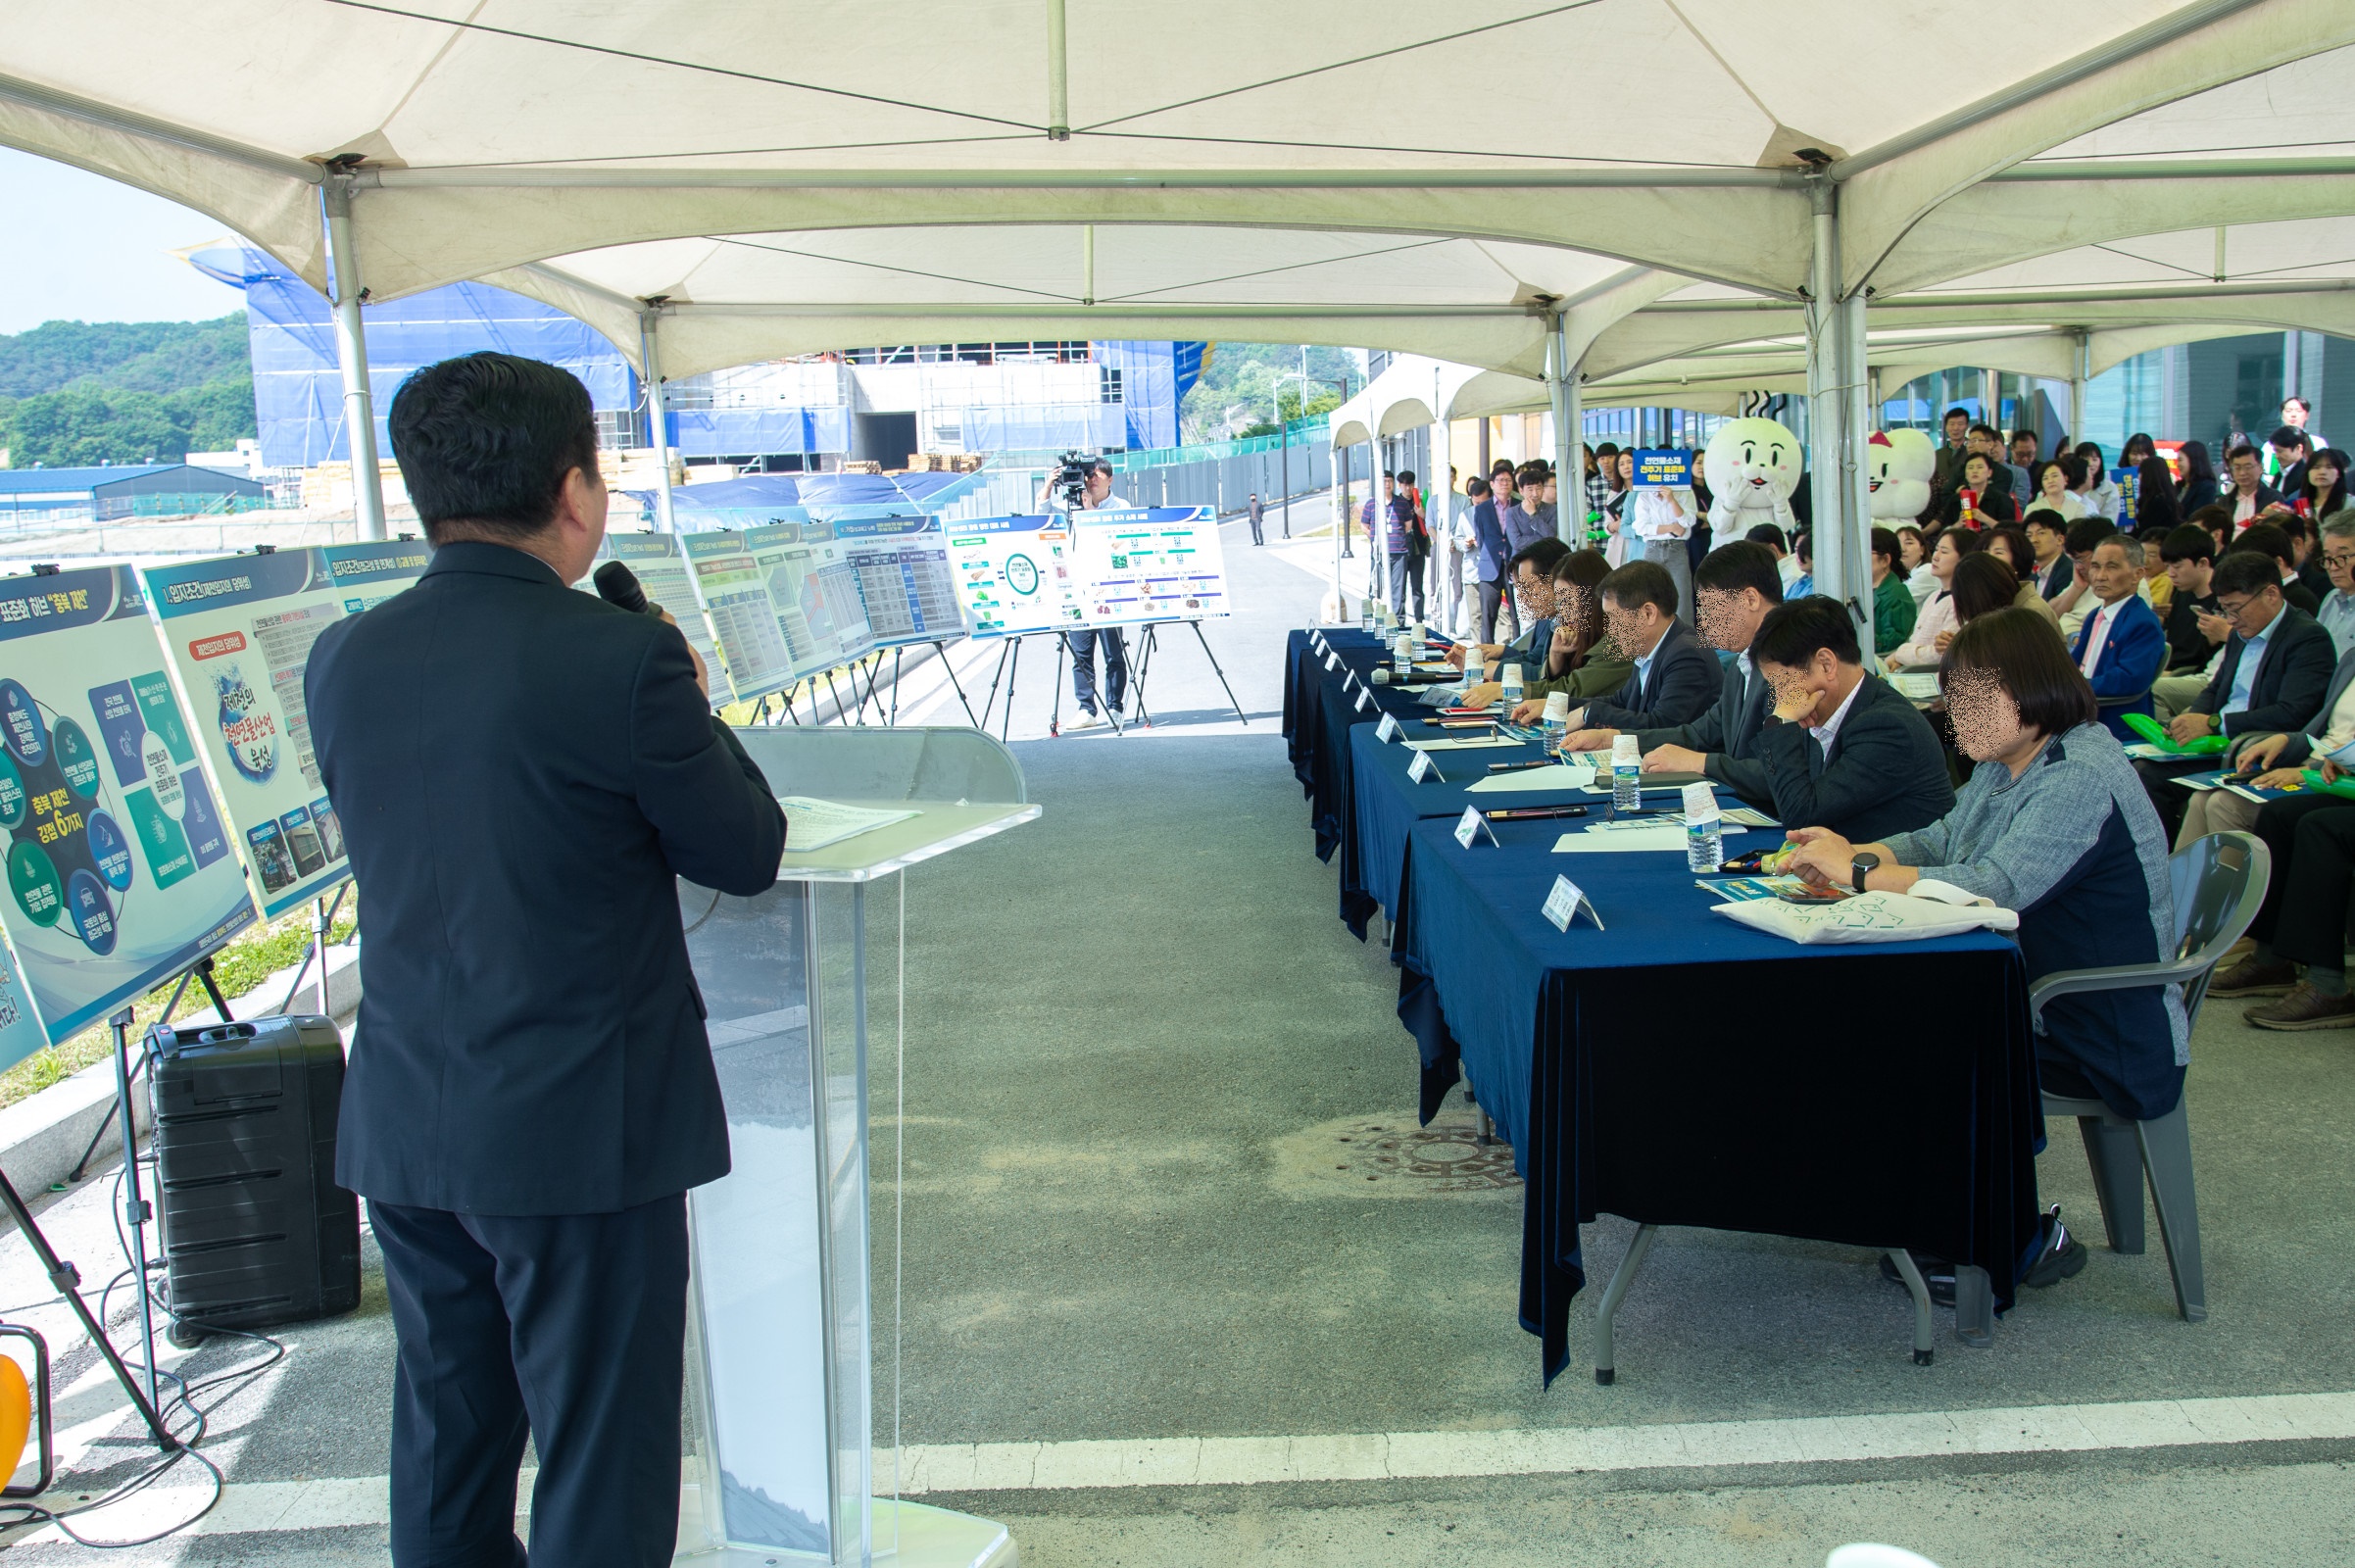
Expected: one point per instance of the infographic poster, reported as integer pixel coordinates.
(20, 1031)
(1014, 576)
(1148, 564)
(238, 631)
(661, 567)
(368, 574)
(815, 591)
(744, 620)
(119, 870)
(901, 567)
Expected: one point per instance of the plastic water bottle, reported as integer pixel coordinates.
(1627, 772)
(1704, 831)
(1401, 657)
(1510, 676)
(1365, 615)
(1556, 723)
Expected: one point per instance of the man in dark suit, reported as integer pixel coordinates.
(523, 771)
(1734, 588)
(2276, 667)
(1842, 749)
(1496, 576)
(2121, 644)
(2249, 495)
(1675, 679)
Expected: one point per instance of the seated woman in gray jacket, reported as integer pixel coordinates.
(2054, 826)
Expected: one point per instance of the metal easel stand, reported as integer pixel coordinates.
(1974, 1304)
(941, 649)
(201, 971)
(68, 1279)
(1153, 641)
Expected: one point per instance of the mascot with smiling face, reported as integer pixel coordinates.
(1898, 464)
(1752, 466)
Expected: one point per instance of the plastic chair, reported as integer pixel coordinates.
(2218, 882)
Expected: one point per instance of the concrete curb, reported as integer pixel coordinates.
(42, 1136)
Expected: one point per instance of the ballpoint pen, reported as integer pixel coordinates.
(1524, 813)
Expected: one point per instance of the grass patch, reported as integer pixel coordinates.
(239, 969)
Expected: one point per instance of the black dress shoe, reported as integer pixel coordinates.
(2062, 1257)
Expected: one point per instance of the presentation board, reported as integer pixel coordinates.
(744, 620)
(119, 870)
(661, 567)
(368, 574)
(814, 593)
(1015, 576)
(905, 584)
(238, 631)
(1137, 564)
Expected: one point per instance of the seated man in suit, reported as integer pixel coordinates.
(2276, 667)
(1734, 588)
(2279, 761)
(1841, 748)
(1676, 678)
(2121, 645)
(1531, 570)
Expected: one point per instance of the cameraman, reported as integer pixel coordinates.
(1099, 493)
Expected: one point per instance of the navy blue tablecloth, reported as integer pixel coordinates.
(1324, 706)
(1678, 1068)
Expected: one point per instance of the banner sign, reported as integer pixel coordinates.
(119, 873)
(1142, 565)
(369, 574)
(1014, 576)
(239, 631)
(1666, 469)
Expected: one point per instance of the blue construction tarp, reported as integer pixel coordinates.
(757, 432)
(298, 386)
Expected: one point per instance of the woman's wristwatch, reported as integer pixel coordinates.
(1863, 862)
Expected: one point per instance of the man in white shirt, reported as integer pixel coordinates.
(2337, 610)
(2279, 762)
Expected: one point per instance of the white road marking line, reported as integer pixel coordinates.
(274, 1506)
(1424, 1456)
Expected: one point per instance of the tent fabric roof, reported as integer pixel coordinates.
(787, 195)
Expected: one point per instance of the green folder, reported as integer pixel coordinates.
(2152, 731)
(2343, 785)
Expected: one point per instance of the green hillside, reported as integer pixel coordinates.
(73, 393)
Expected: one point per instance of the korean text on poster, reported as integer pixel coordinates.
(1014, 576)
(1669, 468)
(1137, 565)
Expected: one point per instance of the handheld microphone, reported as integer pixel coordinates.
(619, 587)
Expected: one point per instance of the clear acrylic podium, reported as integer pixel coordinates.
(781, 1319)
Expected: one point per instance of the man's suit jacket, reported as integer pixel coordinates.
(2291, 678)
(1886, 773)
(1727, 735)
(1488, 538)
(521, 769)
(2300, 745)
(2133, 652)
(1681, 685)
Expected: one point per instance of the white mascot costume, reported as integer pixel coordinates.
(1752, 466)
(1897, 469)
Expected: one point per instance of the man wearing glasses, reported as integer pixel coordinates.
(2275, 670)
(2337, 610)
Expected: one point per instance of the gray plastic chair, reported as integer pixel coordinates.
(2218, 882)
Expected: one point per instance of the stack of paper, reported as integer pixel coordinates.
(812, 824)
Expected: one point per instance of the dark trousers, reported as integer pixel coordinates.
(1492, 596)
(1397, 586)
(1414, 581)
(570, 1327)
(1083, 668)
(2312, 925)
(2168, 798)
(2281, 824)
(1255, 539)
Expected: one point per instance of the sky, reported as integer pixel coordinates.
(83, 248)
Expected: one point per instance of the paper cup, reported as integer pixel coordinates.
(1627, 749)
(1558, 708)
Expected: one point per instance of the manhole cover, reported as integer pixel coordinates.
(1390, 1156)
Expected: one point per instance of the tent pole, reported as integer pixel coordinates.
(1567, 478)
(2076, 386)
(1861, 407)
(351, 354)
(1836, 575)
(1437, 515)
(658, 414)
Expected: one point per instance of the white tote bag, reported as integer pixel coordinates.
(1929, 910)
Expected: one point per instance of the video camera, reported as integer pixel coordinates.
(1069, 485)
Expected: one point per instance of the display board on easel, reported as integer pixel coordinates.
(1015, 576)
(1139, 564)
(120, 865)
(661, 567)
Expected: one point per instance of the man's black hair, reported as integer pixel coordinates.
(2046, 517)
(2244, 450)
(2266, 539)
(1954, 414)
(2289, 435)
(486, 439)
(2187, 542)
(1731, 567)
(2245, 571)
(1640, 583)
(2084, 533)
(1769, 534)
(1475, 486)
(1793, 632)
(1543, 556)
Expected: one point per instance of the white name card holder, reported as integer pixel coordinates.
(1564, 901)
(1332, 660)
(1423, 769)
(1387, 730)
(1472, 825)
(1365, 699)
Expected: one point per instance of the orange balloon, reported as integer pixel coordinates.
(16, 1415)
